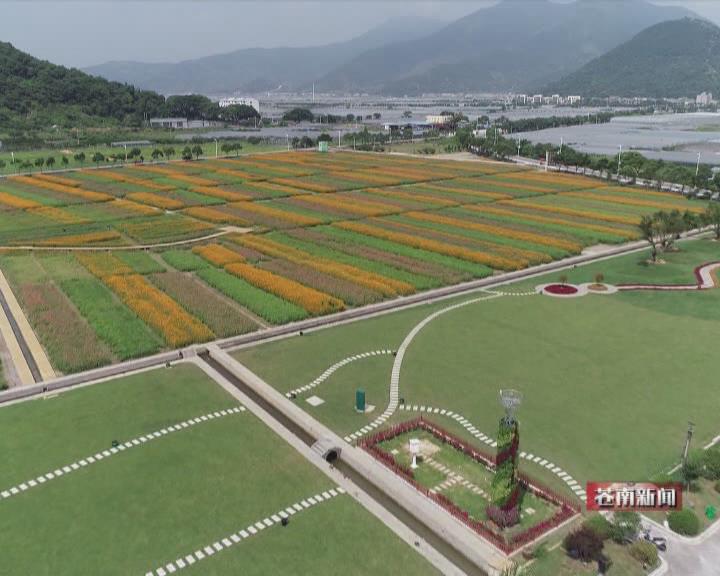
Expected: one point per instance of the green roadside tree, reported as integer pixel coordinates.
(64, 160)
(197, 151)
(169, 152)
(40, 162)
(50, 162)
(711, 217)
(648, 227)
(157, 153)
(79, 157)
(98, 157)
(187, 153)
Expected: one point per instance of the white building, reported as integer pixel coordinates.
(574, 100)
(438, 119)
(704, 99)
(537, 99)
(235, 101)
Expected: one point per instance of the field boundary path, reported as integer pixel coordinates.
(22, 338)
(703, 273)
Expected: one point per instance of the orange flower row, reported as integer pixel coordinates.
(305, 185)
(81, 239)
(103, 264)
(238, 174)
(267, 211)
(312, 300)
(273, 187)
(69, 190)
(218, 254)
(371, 280)
(262, 164)
(159, 310)
(143, 209)
(351, 205)
(215, 215)
(58, 180)
(467, 191)
(513, 185)
(419, 174)
(631, 192)
(496, 230)
(145, 183)
(573, 212)
(550, 178)
(17, 202)
(415, 241)
(368, 177)
(499, 211)
(164, 202)
(215, 192)
(630, 201)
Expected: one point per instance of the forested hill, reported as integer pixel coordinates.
(669, 60)
(35, 91)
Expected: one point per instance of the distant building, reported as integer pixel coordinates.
(180, 123)
(235, 101)
(521, 99)
(438, 119)
(704, 99)
(537, 99)
(574, 100)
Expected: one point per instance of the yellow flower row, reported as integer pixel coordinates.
(158, 310)
(145, 183)
(81, 239)
(69, 190)
(630, 201)
(218, 254)
(238, 173)
(497, 262)
(58, 180)
(371, 280)
(103, 264)
(499, 211)
(573, 212)
(131, 206)
(513, 185)
(177, 175)
(351, 205)
(214, 215)
(59, 215)
(164, 202)
(312, 300)
(305, 185)
(467, 191)
(215, 192)
(398, 194)
(543, 239)
(267, 211)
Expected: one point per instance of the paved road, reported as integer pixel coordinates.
(691, 557)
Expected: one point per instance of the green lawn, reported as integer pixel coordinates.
(609, 381)
(151, 504)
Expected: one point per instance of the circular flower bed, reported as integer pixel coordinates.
(561, 289)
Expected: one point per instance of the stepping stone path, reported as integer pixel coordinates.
(452, 479)
(135, 442)
(397, 365)
(251, 530)
(330, 371)
(575, 486)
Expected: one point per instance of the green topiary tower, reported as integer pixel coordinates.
(506, 490)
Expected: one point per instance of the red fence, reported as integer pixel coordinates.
(568, 508)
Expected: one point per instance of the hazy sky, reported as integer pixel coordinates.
(81, 33)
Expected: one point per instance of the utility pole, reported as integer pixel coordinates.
(686, 449)
(288, 141)
(697, 167)
(216, 148)
(619, 160)
(561, 144)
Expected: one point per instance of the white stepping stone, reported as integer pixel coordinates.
(160, 572)
(170, 567)
(259, 525)
(190, 560)
(268, 522)
(180, 563)
(208, 550)
(315, 401)
(244, 534)
(235, 538)
(199, 554)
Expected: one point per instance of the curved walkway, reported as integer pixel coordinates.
(330, 371)
(139, 441)
(251, 530)
(573, 484)
(703, 274)
(397, 365)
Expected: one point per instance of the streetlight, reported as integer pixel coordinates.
(619, 160)
(697, 167)
(288, 141)
(216, 147)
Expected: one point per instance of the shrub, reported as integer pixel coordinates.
(600, 525)
(684, 522)
(503, 518)
(563, 279)
(625, 526)
(599, 278)
(644, 552)
(711, 468)
(583, 544)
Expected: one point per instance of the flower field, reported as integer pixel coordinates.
(163, 255)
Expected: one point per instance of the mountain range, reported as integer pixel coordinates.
(515, 45)
(671, 59)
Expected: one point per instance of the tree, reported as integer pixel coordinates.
(648, 227)
(98, 157)
(298, 115)
(684, 522)
(197, 151)
(711, 468)
(237, 147)
(324, 137)
(187, 153)
(156, 153)
(169, 152)
(40, 162)
(226, 148)
(50, 162)
(64, 161)
(711, 217)
(79, 157)
(2, 164)
(134, 153)
(583, 544)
